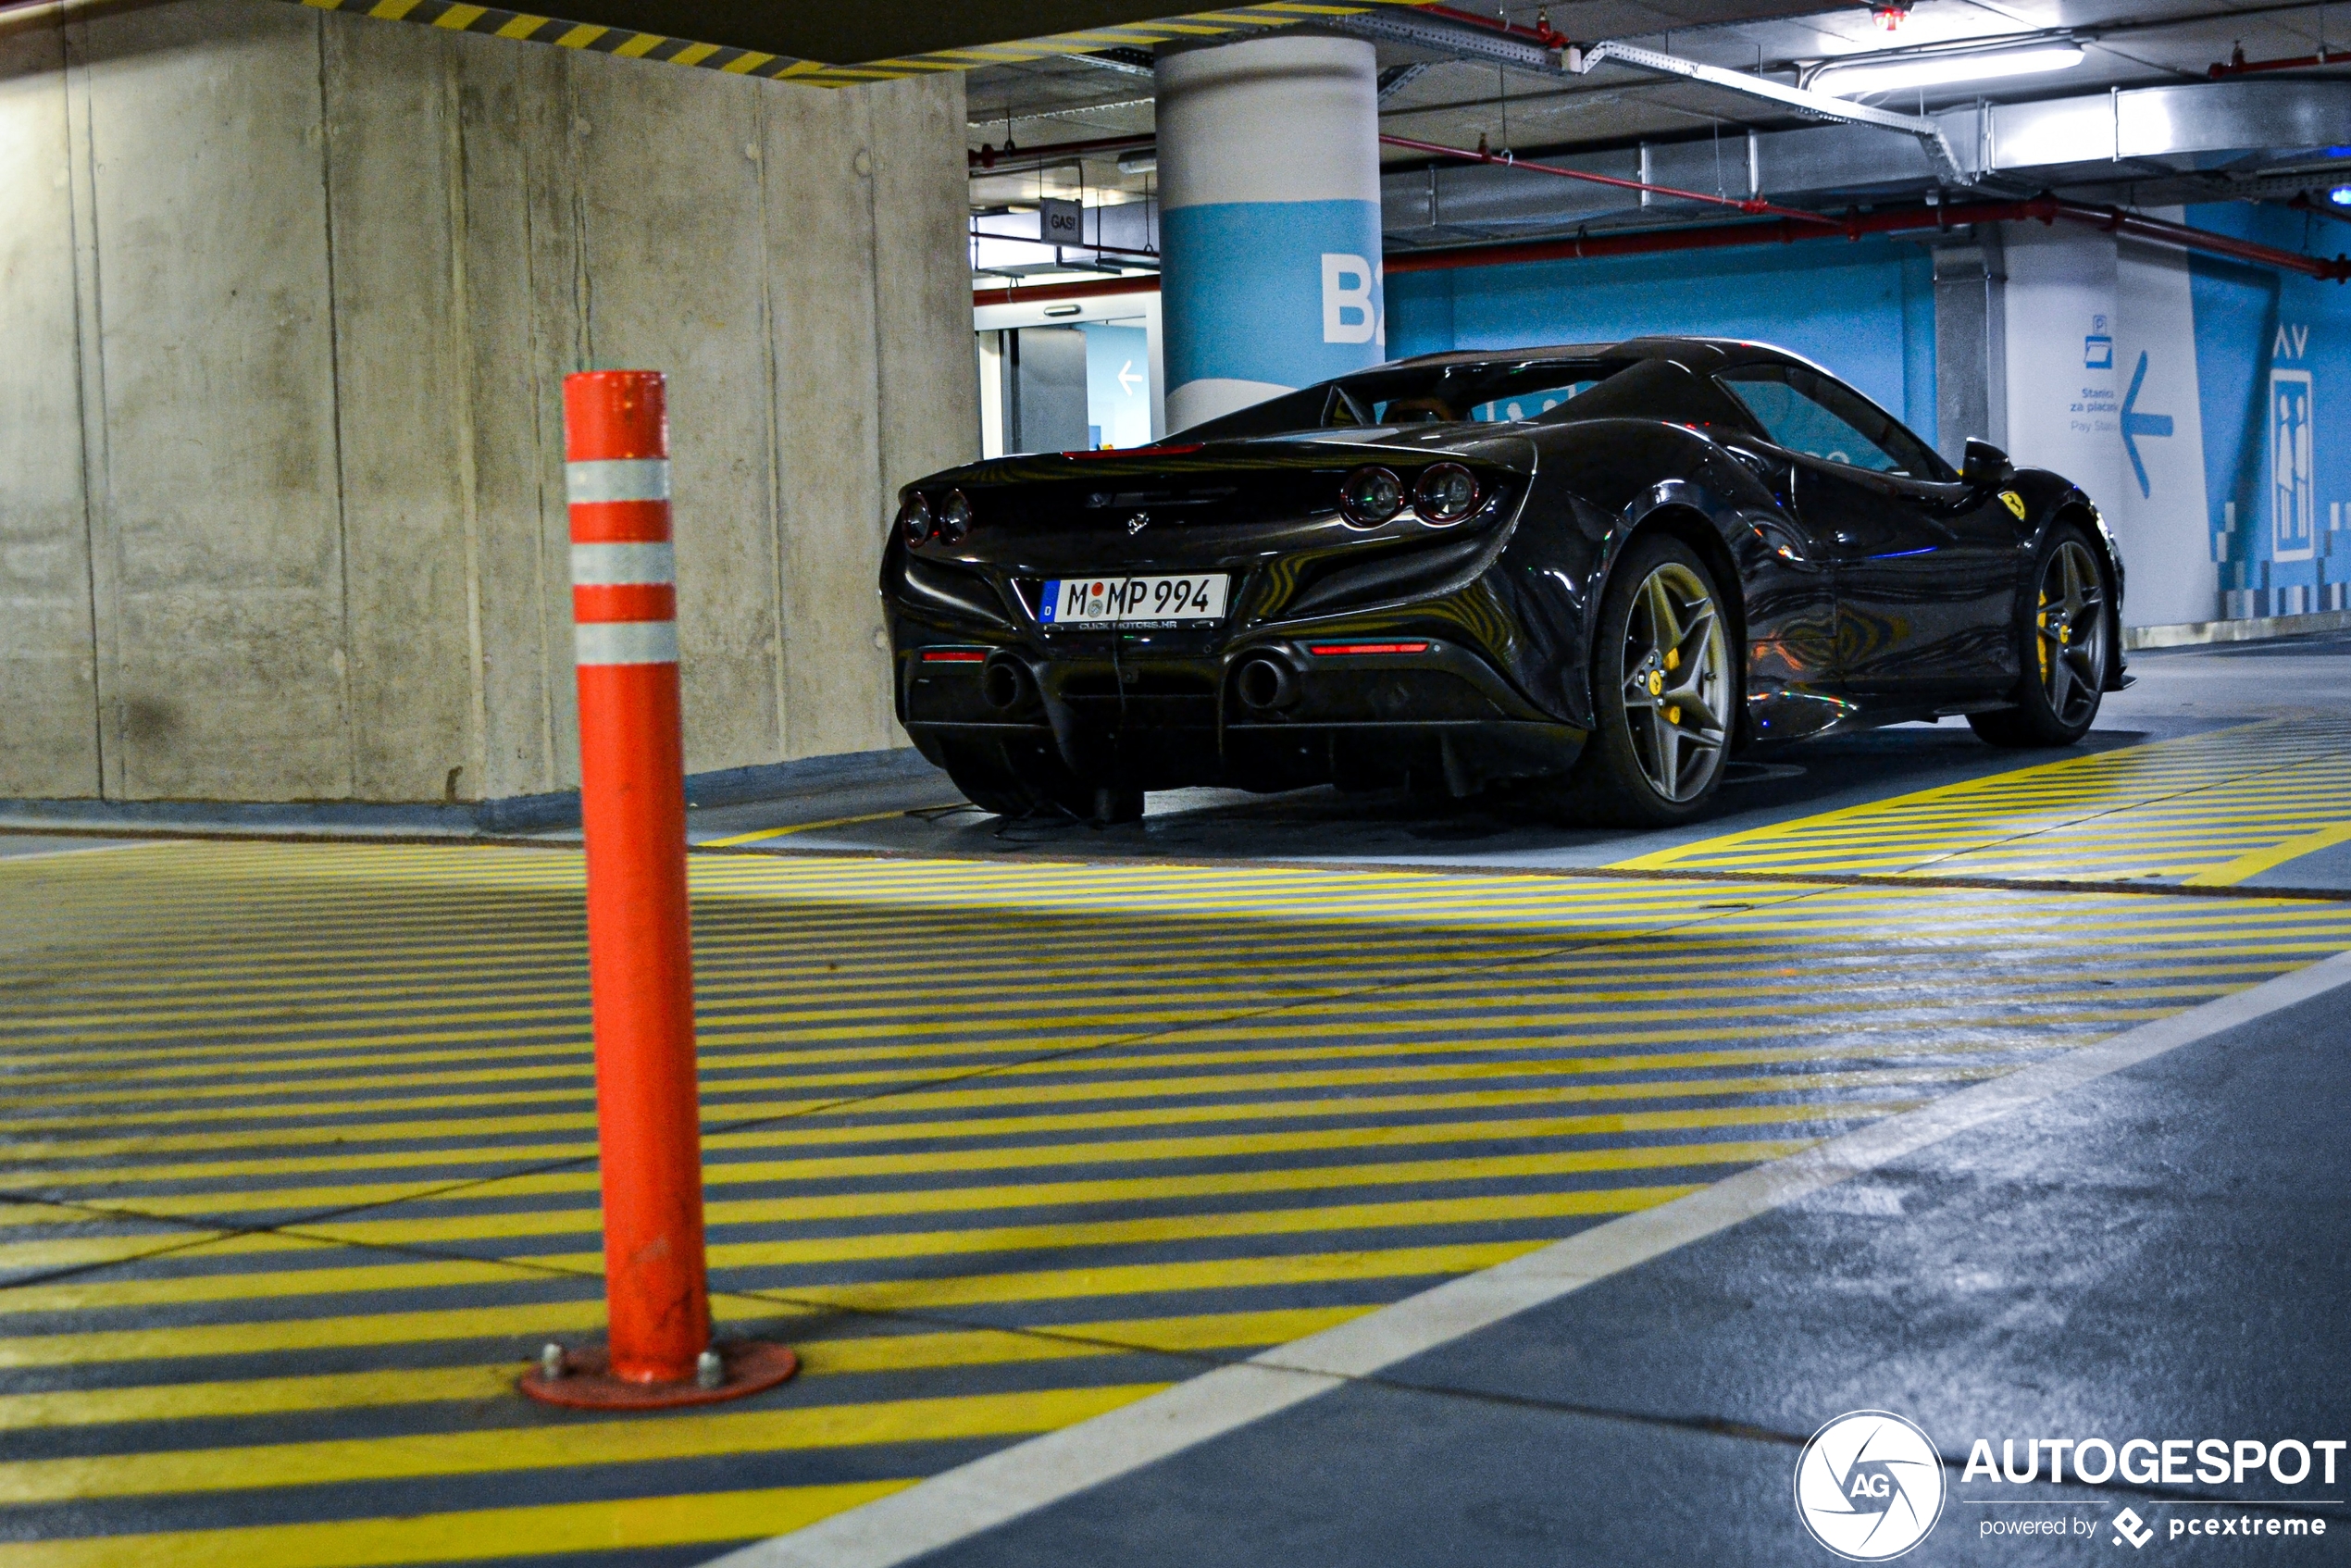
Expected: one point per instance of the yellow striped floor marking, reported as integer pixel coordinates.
(625, 1441)
(1286, 1270)
(190, 1056)
(1391, 1097)
(1383, 1081)
(808, 1208)
(544, 1530)
(719, 1176)
(2218, 806)
(763, 834)
(1525, 1030)
(819, 1358)
(2254, 862)
(1388, 1063)
(114, 1295)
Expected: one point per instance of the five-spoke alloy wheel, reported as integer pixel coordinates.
(1664, 692)
(2063, 635)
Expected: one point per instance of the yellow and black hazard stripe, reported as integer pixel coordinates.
(524, 26)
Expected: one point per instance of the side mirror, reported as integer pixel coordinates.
(1984, 464)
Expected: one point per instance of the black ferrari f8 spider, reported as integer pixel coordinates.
(1601, 570)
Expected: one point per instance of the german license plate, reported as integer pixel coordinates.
(1133, 601)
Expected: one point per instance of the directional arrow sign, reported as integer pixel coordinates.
(2135, 424)
(1129, 381)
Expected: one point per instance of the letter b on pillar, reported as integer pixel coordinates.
(1269, 219)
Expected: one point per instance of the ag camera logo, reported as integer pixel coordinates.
(1869, 1485)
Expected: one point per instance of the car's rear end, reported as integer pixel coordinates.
(1263, 614)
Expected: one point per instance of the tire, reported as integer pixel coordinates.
(1665, 692)
(2064, 630)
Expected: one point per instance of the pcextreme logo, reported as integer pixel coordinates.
(1869, 1485)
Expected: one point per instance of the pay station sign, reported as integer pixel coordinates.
(1060, 222)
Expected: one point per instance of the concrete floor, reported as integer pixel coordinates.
(1017, 1127)
(2165, 1254)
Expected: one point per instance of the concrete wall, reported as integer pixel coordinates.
(287, 296)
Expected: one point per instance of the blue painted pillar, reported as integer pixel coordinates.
(1269, 219)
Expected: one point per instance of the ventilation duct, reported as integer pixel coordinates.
(2226, 135)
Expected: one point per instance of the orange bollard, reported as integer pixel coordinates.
(632, 805)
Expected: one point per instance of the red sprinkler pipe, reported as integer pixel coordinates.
(1780, 231)
(632, 805)
(2237, 65)
(2114, 220)
(2045, 209)
(1045, 293)
(1753, 205)
(1540, 33)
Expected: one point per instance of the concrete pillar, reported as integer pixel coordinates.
(1970, 345)
(1269, 219)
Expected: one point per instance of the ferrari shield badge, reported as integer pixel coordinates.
(2015, 502)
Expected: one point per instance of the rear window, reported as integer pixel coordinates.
(1656, 389)
(1532, 403)
(1480, 394)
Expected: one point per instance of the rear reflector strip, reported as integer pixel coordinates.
(954, 656)
(609, 566)
(616, 479)
(1328, 650)
(624, 643)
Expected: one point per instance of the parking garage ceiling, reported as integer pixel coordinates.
(2126, 44)
(1456, 99)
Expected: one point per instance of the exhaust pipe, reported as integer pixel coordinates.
(1264, 684)
(1006, 683)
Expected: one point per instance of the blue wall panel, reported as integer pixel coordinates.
(1865, 310)
(2272, 349)
(2273, 356)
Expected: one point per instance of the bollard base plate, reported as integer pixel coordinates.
(588, 1383)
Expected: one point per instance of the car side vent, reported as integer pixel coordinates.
(1392, 574)
(955, 589)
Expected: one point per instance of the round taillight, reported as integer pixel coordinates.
(1368, 497)
(955, 518)
(913, 519)
(1447, 493)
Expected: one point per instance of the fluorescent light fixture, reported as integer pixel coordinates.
(1881, 74)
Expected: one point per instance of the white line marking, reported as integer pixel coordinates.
(7, 858)
(963, 1502)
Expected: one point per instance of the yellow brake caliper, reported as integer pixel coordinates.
(2042, 642)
